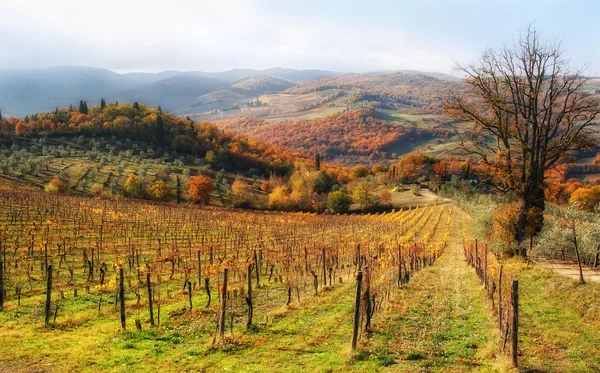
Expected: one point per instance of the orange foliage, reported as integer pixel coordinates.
(560, 193)
(586, 198)
(200, 187)
(266, 187)
(350, 133)
(505, 224)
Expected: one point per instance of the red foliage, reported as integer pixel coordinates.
(349, 133)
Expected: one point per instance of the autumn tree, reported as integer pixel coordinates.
(533, 106)
(358, 171)
(339, 201)
(386, 197)
(200, 187)
(133, 186)
(242, 194)
(586, 198)
(161, 191)
(362, 193)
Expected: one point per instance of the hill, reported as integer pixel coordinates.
(259, 84)
(24, 92)
(155, 129)
(348, 137)
(416, 90)
(239, 92)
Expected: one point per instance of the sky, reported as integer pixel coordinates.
(345, 36)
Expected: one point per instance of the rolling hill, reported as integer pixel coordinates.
(417, 90)
(24, 92)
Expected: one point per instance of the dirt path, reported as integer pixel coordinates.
(441, 321)
(570, 270)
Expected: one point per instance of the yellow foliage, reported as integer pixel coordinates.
(56, 185)
(161, 191)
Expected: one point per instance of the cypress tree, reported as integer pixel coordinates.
(83, 107)
(102, 103)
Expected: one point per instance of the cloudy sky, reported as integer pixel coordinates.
(157, 35)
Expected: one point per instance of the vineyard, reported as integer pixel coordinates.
(72, 263)
(105, 284)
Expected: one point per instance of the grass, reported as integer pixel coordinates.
(559, 322)
(313, 336)
(441, 322)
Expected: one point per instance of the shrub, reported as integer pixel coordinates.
(57, 185)
(279, 198)
(266, 187)
(97, 189)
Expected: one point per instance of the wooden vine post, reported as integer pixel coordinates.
(500, 300)
(1, 287)
(249, 297)
(48, 294)
(149, 285)
(223, 304)
(122, 298)
(324, 266)
(356, 324)
(515, 322)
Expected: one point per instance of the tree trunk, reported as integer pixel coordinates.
(533, 197)
(581, 280)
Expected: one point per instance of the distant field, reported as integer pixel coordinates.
(277, 105)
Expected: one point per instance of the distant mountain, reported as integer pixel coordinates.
(24, 92)
(173, 94)
(243, 89)
(292, 75)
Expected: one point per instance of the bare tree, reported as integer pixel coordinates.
(534, 108)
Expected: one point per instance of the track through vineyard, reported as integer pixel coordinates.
(302, 269)
(441, 321)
